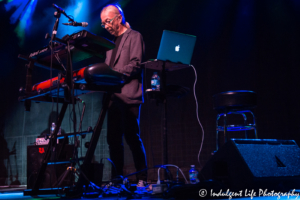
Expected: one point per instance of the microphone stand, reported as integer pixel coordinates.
(57, 15)
(68, 98)
(58, 9)
(55, 27)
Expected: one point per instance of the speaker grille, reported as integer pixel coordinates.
(271, 160)
(241, 164)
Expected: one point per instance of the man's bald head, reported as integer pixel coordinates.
(113, 20)
(115, 9)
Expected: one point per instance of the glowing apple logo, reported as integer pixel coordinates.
(177, 48)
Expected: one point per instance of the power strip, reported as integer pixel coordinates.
(159, 188)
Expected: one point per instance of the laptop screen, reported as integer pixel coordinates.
(176, 47)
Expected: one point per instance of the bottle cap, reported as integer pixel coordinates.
(192, 165)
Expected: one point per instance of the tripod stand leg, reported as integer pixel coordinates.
(64, 175)
(93, 144)
(61, 178)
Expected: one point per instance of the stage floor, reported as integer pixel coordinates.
(9, 193)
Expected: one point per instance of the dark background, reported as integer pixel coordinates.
(241, 45)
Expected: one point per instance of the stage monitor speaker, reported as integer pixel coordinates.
(255, 164)
(35, 154)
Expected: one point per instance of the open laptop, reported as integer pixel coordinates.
(176, 47)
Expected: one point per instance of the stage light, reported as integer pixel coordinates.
(25, 21)
(22, 16)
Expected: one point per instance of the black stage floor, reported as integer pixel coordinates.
(17, 193)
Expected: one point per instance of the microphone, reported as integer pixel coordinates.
(59, 9)
(83, 24)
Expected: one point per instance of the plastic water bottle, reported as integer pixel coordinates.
(193, 175)
(52, 128)
(155, 82)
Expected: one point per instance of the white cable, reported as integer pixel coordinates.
(197, 114)
(170, 165)
(158, 178)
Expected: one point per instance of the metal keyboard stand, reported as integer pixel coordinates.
(66, 100)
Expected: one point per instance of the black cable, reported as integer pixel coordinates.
(70, 129)
(81, 147)
(58, 81)
(79, 130)
(80, 124)
(75, 153)
(112, 163)
(51, 63)
(146, 169)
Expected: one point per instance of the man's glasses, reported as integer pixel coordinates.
(107, 22)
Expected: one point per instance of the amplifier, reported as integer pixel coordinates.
(35, 155)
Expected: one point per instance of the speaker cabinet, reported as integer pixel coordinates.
(35, 154)
(255, 164)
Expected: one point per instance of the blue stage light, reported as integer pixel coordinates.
(22, 16)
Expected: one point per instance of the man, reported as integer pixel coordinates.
(124, 108)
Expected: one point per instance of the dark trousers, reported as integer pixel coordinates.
(123, 119)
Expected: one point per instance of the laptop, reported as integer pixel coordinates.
(176, 47)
